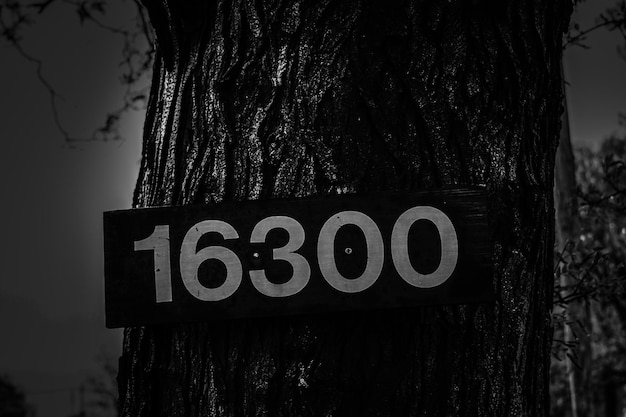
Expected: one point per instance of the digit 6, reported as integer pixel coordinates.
(191, 258)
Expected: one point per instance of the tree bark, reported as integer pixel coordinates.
(275, 98)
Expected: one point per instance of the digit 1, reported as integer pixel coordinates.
(159, 242)
(449, 247)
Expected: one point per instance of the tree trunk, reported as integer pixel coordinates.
(274, 98)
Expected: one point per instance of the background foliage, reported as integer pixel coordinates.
(596, 262)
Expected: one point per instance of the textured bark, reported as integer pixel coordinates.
(261, 99)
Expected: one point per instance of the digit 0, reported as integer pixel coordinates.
(326, 251)
(449, 247)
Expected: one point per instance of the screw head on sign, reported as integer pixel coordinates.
(348, 251)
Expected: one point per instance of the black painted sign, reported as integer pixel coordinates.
(296, 256)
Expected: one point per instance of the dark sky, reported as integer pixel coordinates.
(597, 80)
(51, 302)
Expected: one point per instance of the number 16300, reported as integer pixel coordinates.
(192, 256)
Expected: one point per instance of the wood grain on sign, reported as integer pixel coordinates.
(296, 256)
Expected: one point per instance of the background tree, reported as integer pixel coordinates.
(604, 221)
(102, 387)
(12, 402)
(97, 396)
(567, 230)
(574, 319)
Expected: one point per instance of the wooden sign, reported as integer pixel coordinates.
(296, 256)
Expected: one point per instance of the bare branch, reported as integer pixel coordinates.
(613, 19)
(581, 36)
(41, 7)
(137, 56)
